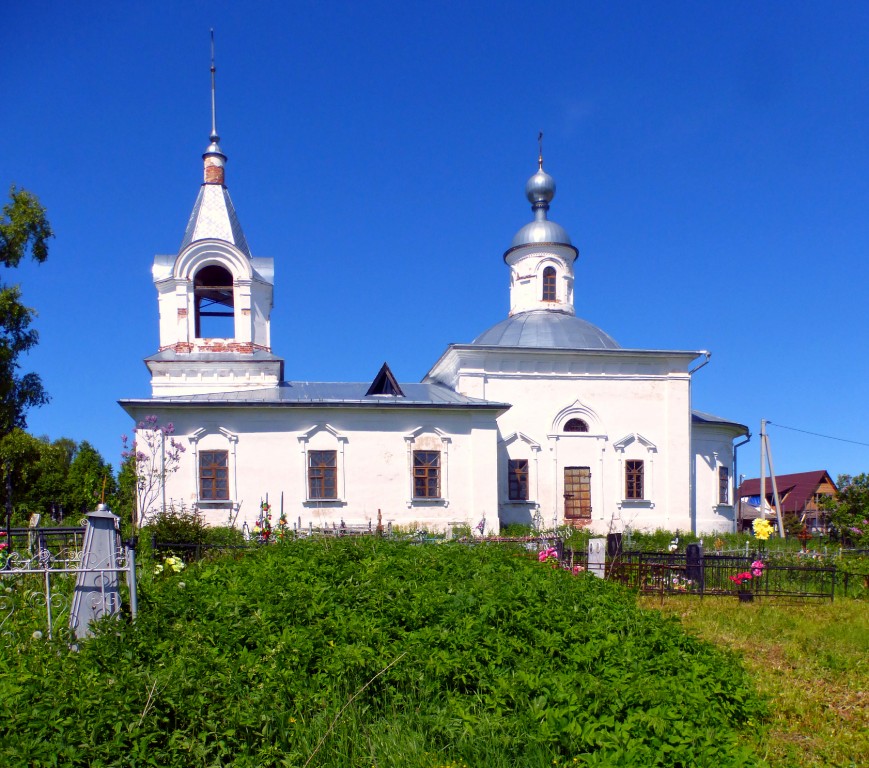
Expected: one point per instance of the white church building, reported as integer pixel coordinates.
(543, 418)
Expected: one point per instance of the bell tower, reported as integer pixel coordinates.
(541, 255)
(215, 298)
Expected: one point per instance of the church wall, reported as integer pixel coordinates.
(629, 419)
(267, 450)
(712, 450)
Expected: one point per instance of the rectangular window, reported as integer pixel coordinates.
(634, 480)
(517, 479)
(426, 474)
(214, 475)
(323, 474)
(723, 485)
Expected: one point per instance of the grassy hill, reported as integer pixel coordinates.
(375, 653)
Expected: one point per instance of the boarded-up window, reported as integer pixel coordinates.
(323, 474)
(577, 493)
(517, 479)
(427, 474)
(634, 480)
(213, 475)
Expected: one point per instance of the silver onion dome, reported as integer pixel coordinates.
(540, 189)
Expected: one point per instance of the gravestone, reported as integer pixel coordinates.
(694, 563)
(597, 557)
(96, 591)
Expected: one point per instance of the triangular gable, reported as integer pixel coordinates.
(633, 437)
(384, 384)
(510, 439)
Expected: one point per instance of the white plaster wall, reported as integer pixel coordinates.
(267, 457)
(712, 448)
(526, 278)
(647, 401)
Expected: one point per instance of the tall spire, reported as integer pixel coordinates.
(215, 160)
(214, 216)
(539, 145)
(214, 137)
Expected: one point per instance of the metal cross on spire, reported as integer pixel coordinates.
(540, 147)
(214, 137)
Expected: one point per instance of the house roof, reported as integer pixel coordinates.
(325, 394)
(795, 490)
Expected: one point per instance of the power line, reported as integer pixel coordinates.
(817, 434)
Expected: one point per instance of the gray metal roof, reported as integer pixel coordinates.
(699, 417)
(546, 329)
(329, 393)
(169, 355)
(214, 217)
(544, 231)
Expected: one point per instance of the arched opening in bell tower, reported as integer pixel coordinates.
(214, 303)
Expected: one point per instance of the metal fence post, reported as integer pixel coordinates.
(131, 577)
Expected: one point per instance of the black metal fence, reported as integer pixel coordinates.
(27, 541)
(680, 573)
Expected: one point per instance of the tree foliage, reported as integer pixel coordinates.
(849, 511)
(59, 479)
(24, 229)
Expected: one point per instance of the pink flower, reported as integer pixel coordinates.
(577, 569)
(546, 554)
(757, 572)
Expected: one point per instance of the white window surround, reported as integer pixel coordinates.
(718, 504)
(323, 437)
(577, 410)
(428, 439)
(633, 447)
(215, 439)
(526, 449)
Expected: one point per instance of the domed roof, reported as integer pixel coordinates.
(548, 330)
(540, 189)
(540, 231)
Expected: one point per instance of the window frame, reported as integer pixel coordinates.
(550, 285)
(425, 473)
(635, 481)
(518, 479)
(211, 482)
(320, 474)
(723, 485)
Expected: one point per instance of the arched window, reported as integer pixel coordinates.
(576, 425)
(214, 303)
(549, 284)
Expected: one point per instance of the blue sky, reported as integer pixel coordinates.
(711, 158)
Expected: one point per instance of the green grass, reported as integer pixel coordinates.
(812, 662)
(369, 653)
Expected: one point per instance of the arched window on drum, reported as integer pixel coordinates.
(549, 284)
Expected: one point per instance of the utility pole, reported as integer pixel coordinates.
(765, 452)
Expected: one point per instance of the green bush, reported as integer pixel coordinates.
(362, 652)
